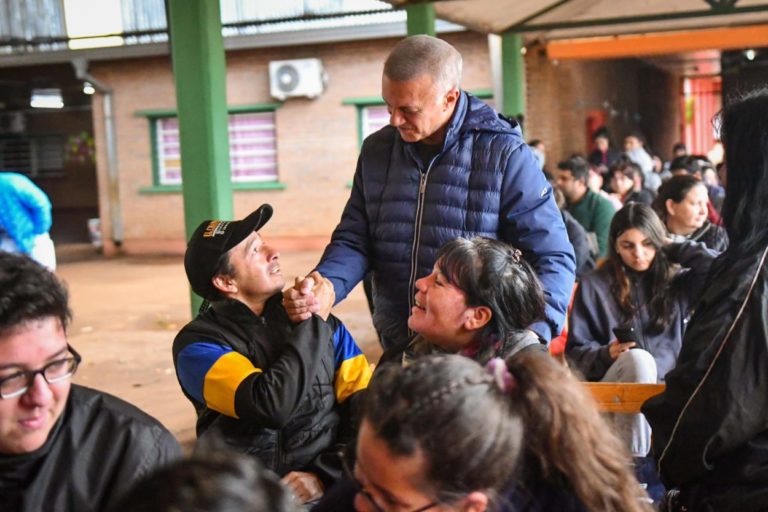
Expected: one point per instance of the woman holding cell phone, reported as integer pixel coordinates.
(629, 315)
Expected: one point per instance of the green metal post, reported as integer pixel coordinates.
(513, 75)
(420, 19)
(199, 70)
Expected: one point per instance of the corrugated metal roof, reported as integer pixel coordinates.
(563, 19)
(39, 25)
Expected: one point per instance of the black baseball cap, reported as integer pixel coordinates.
(211, 240)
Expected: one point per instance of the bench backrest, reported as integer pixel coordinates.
(622, 397)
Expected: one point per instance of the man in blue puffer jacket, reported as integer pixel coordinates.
(447, 166)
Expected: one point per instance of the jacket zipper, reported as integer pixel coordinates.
(417, 238)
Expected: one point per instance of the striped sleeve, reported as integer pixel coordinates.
(352, 369)
(211, 373)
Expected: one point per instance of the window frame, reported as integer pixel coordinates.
(153, 116)
(35, 147)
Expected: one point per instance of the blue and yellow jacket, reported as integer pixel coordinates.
(284, 392)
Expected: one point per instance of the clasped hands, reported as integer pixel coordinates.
(309, 294)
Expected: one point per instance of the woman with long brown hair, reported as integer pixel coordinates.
(447, 434)
(642, 290)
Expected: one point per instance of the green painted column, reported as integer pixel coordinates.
(513, 75)
(420, 19)
(199, 70)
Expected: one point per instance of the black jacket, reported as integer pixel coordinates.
(582, 249)
(710, 426)
(100, 446)
(711, 235)
(284, 410)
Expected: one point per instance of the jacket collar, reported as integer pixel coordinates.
(235, 309)
(471, 114)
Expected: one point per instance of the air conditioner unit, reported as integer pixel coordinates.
(12, 122)
(298, 77)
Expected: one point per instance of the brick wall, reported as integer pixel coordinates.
(317, 139)
(631, 95)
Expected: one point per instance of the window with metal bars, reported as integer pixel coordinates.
(252, 148)
(35, 156)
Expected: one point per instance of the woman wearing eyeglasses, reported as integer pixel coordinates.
(446, 434)
(63, 447)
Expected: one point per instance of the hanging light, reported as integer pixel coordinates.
(88, 88)
(750, 54)
(46, 98)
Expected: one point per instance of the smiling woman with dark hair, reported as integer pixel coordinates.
(478, 301)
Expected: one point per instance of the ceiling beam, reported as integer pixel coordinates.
(659, 44)
(619, 20)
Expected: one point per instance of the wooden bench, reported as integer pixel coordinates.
(622, 397)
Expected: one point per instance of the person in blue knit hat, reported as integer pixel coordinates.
(25, 219)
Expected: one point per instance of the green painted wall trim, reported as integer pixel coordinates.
(513, 75)
(175, 189)
(420, 19)
(155, 152)
(483, 94)
(199, 71)
(235, 109)
(363, 101)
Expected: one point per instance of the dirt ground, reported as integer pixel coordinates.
(127, 311)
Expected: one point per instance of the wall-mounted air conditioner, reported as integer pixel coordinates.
(298, 77)
(12, 122)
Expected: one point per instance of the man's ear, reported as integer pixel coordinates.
(479, 316)
(475, 502)
(224, 283)
(452, 97)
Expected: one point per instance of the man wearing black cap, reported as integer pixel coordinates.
(283, 392)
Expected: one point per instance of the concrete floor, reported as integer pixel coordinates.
(127, 311)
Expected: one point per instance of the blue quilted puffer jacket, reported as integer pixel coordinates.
(25, 210)
(484, 182)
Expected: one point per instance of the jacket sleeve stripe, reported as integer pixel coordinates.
(344, 346)
(352, 369)
(223, 379)
(193, 362)
(206, 369)
(352, 376)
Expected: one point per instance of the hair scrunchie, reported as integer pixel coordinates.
(504, 379)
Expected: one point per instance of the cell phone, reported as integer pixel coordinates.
(625, 334)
